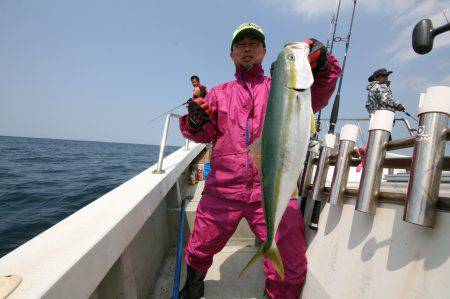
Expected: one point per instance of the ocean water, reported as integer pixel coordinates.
(42, 181)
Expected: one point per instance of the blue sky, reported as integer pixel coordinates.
(99, 70)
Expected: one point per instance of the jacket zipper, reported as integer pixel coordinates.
(247, 131)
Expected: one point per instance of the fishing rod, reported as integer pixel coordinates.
(410, 116)
(155, 118)
(334, 21)
(335, 111)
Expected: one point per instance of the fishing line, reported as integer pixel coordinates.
(155, 118)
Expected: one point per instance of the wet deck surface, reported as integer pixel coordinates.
(222, 279)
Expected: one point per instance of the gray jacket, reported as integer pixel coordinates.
(380, 97)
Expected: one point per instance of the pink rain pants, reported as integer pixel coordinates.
(215, 223)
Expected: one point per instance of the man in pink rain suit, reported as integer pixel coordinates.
(232, 116)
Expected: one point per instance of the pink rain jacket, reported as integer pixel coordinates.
(238, 111)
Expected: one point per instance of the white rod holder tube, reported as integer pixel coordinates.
(347, 139)
(320, 177)
(380, 128)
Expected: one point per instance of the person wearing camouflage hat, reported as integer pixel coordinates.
(380, 94)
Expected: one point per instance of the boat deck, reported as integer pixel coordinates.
(222, 280)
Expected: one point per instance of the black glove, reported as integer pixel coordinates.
(400, 107)
(318, 57)
(199, 113)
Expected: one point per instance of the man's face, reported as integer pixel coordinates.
(382, 78)
(248, 51)
(194, 82)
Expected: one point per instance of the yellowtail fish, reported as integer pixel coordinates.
(280, 152)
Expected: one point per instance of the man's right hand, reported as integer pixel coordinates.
(400, 107)
(199, 112)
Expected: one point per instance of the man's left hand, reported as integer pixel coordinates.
(400, 107)
(318, 57)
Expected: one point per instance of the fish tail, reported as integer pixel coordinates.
(257, 255)
(272, 254)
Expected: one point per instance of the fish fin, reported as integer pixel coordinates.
(313, 124)
(257, 255)
(255, 150)
(274, 256)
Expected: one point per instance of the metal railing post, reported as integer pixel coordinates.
(379, 130)
(163, 142)
(319, 179)
(428, 156)
(347, 139)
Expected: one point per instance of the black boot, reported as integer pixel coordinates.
(194, 287)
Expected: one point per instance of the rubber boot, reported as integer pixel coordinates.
(194, 287)
(265, 295)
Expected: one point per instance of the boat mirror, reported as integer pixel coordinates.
(422, 38)
(423, 35)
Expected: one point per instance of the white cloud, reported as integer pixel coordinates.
(445, 65)
(401, 48)
(415, 83)
(314, 8)
(419, 83)
(445, 81)
(404, 14)
(400, 10)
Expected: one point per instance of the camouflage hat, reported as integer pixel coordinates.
(379, 72)
(250, 29)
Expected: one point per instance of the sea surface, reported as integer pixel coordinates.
(42, 181)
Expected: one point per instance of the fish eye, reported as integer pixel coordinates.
(290, 57)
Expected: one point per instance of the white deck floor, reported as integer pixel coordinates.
(222, 279)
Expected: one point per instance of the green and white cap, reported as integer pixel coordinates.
(248, 28)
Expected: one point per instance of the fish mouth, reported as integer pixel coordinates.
(296, 89)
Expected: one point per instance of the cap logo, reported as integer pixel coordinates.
(246, 26)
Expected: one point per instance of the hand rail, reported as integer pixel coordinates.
(357, 120)
(159, 169)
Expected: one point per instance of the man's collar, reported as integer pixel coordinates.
(248, 74)
(383, 82)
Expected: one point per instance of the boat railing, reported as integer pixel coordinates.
(104, 247)
(410, 130)
(162, 147)
(425, 165)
